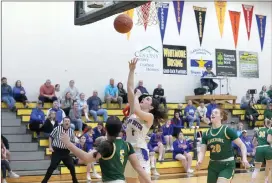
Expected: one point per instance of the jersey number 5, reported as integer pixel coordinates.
(262, 134)
(216, 148)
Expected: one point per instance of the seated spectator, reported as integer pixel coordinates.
(167, 130)
(95, 106)
(158, 93)
(75, 116)
(177, 123)
(19, 93)
(99, 131)
(153, 160)
(60, 114)
(264, 98)
(181, 152)
(140, 87)
(111, 95)
(37, 119)
(268, 112)
(240, 128)
(208, 81)
(47, 92)
(122, 92)
(249, 145)
(210, 108)
(201, 111)
(179, 110)
(49, 124)
(190, 112)
(251, 114)
(57, 92)
(157, 142)
(72, 89)
(83, 106)
(89, 137)
(6, 94)
(66, 103)
(269, 92)
(245, 101)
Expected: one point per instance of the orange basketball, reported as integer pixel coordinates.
(123, 23)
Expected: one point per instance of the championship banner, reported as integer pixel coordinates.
(220, 7)
(226, 64)
(248, 64)
(145, 12)
(200, 59)
(235, 22)
(200, 15)
(130, 13)
(261, 23)
(248, 12)
(174, 60)
(178, 8)
(162, 17)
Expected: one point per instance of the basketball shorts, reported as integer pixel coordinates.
(143, 158)
(220, 169)
(263, 153)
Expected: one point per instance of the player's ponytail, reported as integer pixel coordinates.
(158, 112)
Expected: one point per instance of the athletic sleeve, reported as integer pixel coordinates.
(231, 134)
(130, 149)
(204, 138)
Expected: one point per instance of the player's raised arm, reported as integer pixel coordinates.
(130, 84)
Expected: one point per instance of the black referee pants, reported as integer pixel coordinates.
(57, 156)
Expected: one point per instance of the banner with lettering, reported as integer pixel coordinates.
(261, 23)
(226, 63)
(200, 15)
(162, 17)
(130, 13)
(248, 12)
(235, 22)
(145, 9)
(248, 62)
(200, 58)
(174, 60)
(178, 8)
(220, 7)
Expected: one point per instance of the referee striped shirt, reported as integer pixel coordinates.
(56, 133)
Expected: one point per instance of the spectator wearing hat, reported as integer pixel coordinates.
(208, 81)
(268, 112)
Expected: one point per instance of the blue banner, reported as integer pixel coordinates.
(178, 8)
(261, 23)
(162, 16)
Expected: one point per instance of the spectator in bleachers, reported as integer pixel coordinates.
(49, 124)
(264, 98)
(201, 111)
(268, 112)
(245, 101)
(269, 92)
(47, 92)
(66, 103)
(95, 107)
(177, 123)
(72, 89)
(122, 92)
(179, 110)
(158, 93)
(89, 137)
(251, 114)
(60, 114)
(111, 95)
(99, 131)
(37, 119)
(75, 116)
(157, 142)
(249, 145)
(190, 112)
(58, 93)
(6, 143)
(208, 81)
(153, 160)
(240, 128)
(6, 94)
(141, 88)
(181, 152)
(167, 130)
(210, 108)
(83, 106)
(19, 93)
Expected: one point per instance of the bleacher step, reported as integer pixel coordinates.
(35, 172)
(19, 138)
(14, 130)
(11, 122)
(8, 115)
(27, 156)
(30, 165)
(23, 147)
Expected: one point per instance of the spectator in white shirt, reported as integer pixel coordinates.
(201, 111)
(72, 89)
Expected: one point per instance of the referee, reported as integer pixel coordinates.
(60, 151)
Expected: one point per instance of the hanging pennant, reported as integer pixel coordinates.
(162, 16)
(220, 7)
(145, 9)
(248, 12)
(261, 23)
(178, 8)
(235, 22)
(200, 15)
(130, 13)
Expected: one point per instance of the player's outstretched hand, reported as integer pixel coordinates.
(65, 138)
(245, 164)
(132, 64)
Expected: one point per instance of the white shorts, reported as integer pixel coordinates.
(129, 170)
(116, 181)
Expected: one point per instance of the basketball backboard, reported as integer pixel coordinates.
(87, 12)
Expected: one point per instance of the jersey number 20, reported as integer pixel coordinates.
(216, 148)
(262, 134)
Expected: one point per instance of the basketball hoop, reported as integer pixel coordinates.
(147, 14)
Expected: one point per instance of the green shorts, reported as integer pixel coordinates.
(220, 169)
(263, 153)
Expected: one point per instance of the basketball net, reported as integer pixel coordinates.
(147, 14)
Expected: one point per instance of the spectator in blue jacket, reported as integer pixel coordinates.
(167, 131)
(6, 94)
(191, 114)
(249, 145)
(181, 153)
(157, 142)
(210, 108)
(89, 138)
(111, 95)
(99, 131)
(141, 88)
(176, 123)
(37, 119)
(60, 114)
(19, 93)
(208, 81)
(95, 107)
